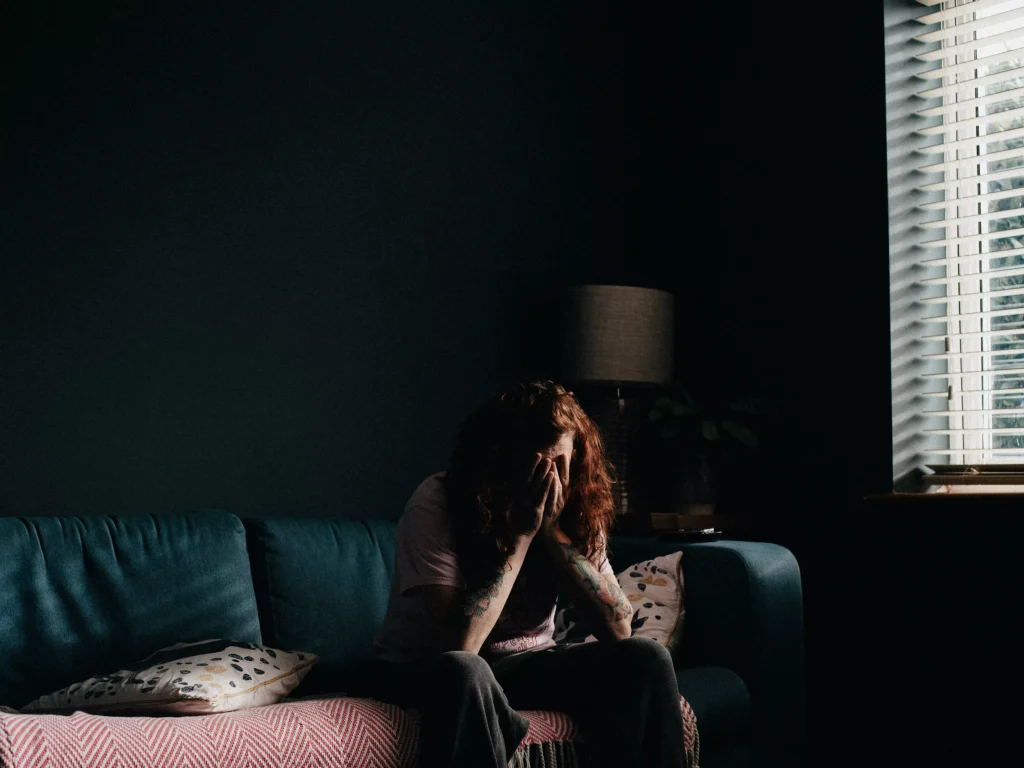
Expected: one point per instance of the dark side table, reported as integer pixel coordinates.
(687, 527)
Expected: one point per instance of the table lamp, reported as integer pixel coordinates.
(615, 339)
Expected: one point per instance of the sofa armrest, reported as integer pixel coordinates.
(744, 611)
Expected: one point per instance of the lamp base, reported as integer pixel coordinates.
(617, 417)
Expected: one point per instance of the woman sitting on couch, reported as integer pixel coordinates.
(483, 549)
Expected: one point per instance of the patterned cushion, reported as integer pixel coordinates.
(187, 678)
(655, 590)
(298, 734)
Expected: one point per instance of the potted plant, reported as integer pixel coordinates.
(694, 443)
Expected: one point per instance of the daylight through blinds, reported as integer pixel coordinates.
(972, 151)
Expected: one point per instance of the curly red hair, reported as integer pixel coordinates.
(529, 417)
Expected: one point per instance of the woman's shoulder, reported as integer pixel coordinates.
(430, 493)
(429, 501)
(426, 513)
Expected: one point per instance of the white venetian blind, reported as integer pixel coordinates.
(972, 151)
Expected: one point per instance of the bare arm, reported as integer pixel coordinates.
(467, 618)
(597, 596)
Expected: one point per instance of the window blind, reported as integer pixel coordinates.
(972, 151)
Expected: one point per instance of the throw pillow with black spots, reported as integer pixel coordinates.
(187, 678)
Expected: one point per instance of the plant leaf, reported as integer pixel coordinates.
(755, 406)
(741, 433)
(664, 403)
(709, 429)
(656, 414)
(687, 397)
(683, 410)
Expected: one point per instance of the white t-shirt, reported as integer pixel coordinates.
(425, 553)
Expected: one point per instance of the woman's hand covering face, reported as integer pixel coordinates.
(531, 498)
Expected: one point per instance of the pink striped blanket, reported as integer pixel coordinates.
(338, 731)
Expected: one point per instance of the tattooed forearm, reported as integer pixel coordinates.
(477, 601)
(591, 579)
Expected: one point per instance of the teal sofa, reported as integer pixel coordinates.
(82, 595)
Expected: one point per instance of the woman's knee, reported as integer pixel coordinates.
(464, 668)
(644, 654)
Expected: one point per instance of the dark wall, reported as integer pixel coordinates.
(764, 212)
(266, 258)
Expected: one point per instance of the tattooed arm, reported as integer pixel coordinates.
(466, 617)
(597, 596)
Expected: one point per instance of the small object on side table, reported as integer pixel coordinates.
(698, 527)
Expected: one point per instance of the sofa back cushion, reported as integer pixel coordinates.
(322, 586)
(83, 596)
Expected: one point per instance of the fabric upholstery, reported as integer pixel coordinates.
(298, 734)
(737, 756)
(732, 622)
(744, 612)
(720, 699)
(324, 589)
(343, 731)
(80, 596)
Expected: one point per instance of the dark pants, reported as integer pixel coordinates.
(622, 695)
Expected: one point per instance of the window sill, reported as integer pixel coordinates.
(956, 481)
(973, 482)
(974, 488)
(962, 494)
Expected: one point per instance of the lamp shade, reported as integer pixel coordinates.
(615, 334)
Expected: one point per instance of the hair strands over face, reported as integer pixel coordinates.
(491, 447)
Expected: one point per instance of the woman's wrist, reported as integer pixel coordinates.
(554, 535)
(524, 539)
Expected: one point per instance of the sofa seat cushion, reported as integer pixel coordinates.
(307, 732)
(80, 596)
(721, 701)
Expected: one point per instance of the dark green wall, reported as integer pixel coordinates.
(266, 258)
